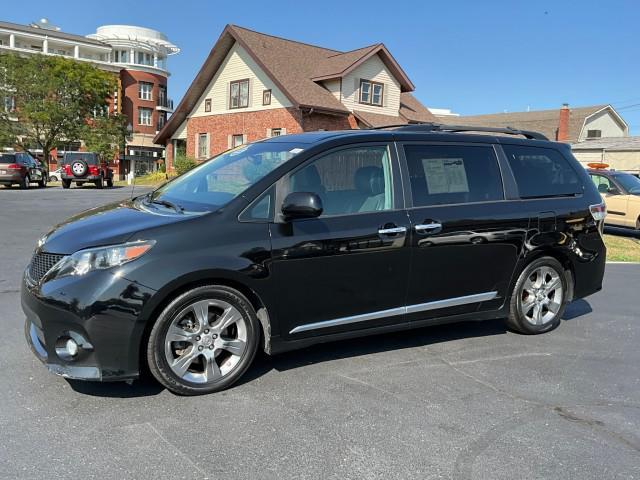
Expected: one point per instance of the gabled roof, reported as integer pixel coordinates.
(337, 66)
(292, 66)
(543, 121)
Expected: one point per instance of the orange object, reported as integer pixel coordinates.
(598, 165)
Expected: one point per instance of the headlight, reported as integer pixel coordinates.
(84, 261)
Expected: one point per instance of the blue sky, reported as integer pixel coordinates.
(471, 56)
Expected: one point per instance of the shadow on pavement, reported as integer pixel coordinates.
(577, 309)
(144, 387)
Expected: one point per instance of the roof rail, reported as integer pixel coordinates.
(439, 127)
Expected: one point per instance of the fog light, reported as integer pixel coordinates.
(72, 347)
(67, 348)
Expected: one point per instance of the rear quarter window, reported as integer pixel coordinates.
(542, 172)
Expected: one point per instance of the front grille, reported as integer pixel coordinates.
(41, 263)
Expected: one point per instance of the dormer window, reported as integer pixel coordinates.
(371, 93)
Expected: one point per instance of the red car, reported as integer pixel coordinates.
(22, 169)
(85, 167)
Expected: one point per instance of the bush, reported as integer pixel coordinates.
(184, 164)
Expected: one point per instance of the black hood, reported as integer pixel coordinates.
(106, 225)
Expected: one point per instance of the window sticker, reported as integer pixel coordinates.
(445, 175)
(295, 151)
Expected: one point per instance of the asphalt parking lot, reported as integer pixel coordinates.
(467, 401)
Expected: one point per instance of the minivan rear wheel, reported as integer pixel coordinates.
(203, 341)
(539, 297)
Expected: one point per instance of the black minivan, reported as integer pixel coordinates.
(314, 237)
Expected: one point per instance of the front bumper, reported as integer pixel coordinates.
(101, 310)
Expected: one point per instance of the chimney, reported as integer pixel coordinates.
(563, 124)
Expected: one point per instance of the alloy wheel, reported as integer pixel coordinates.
(205, 341)
(541, 296)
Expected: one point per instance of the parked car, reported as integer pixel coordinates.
(85, 167)
(621, 193)
(309, 238)
(56, 175)
(21, 169)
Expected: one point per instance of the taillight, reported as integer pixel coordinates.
(598, 211)
(93, 170)
(14, 166)
(67, 169)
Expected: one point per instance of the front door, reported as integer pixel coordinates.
(465, 237)
(347, 269)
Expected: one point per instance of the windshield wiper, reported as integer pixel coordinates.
(167, 203)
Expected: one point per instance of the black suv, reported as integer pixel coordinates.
(309, 238)
(85, 167)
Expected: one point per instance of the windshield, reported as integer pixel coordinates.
(630, 183)
(220, 179)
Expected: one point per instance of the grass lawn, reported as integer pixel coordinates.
(622, 249)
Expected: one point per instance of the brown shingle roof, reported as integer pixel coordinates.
(413, 110)
(543, 121)
(293, 66)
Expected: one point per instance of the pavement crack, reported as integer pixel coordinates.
(180, 452)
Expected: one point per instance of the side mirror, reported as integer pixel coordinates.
(301, 205)
(613, 191)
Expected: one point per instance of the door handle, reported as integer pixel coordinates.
(428, 227)
(392, 230)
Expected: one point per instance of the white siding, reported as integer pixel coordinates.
(334, 87)
(239, 65)
(181, 131)
(606, 122)
(373, 69)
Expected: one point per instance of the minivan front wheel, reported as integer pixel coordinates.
(203, 341)
(539, 297)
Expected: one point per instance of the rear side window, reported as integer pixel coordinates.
(7, 158)
(542, 172)
(450, 174)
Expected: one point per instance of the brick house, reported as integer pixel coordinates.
(254, 86)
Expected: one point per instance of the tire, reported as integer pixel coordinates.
(99, 183)
(110, 182)
(207, 348)
(79, 168)
(24, 183)
(43, 183)
(66, 183)
(53, 178)
(534, 288)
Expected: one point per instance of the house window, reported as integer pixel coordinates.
(594, 133)
(144, 90)
(207, 105)
(162, 96)
(237, 140)
(9, 104)
(203, 145)
(371, 93)
(276, 132)
(239, 94)
(162, 119)
(144, 116)
(266, 97)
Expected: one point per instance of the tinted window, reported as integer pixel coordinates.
(90, 158)
(261, 208)
(354, 180)
(7, 158)
(542, 172)
(630, 183)
(448, 174)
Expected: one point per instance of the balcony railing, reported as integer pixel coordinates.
(165, 103)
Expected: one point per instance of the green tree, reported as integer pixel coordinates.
(55, 99)
(105, 135)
